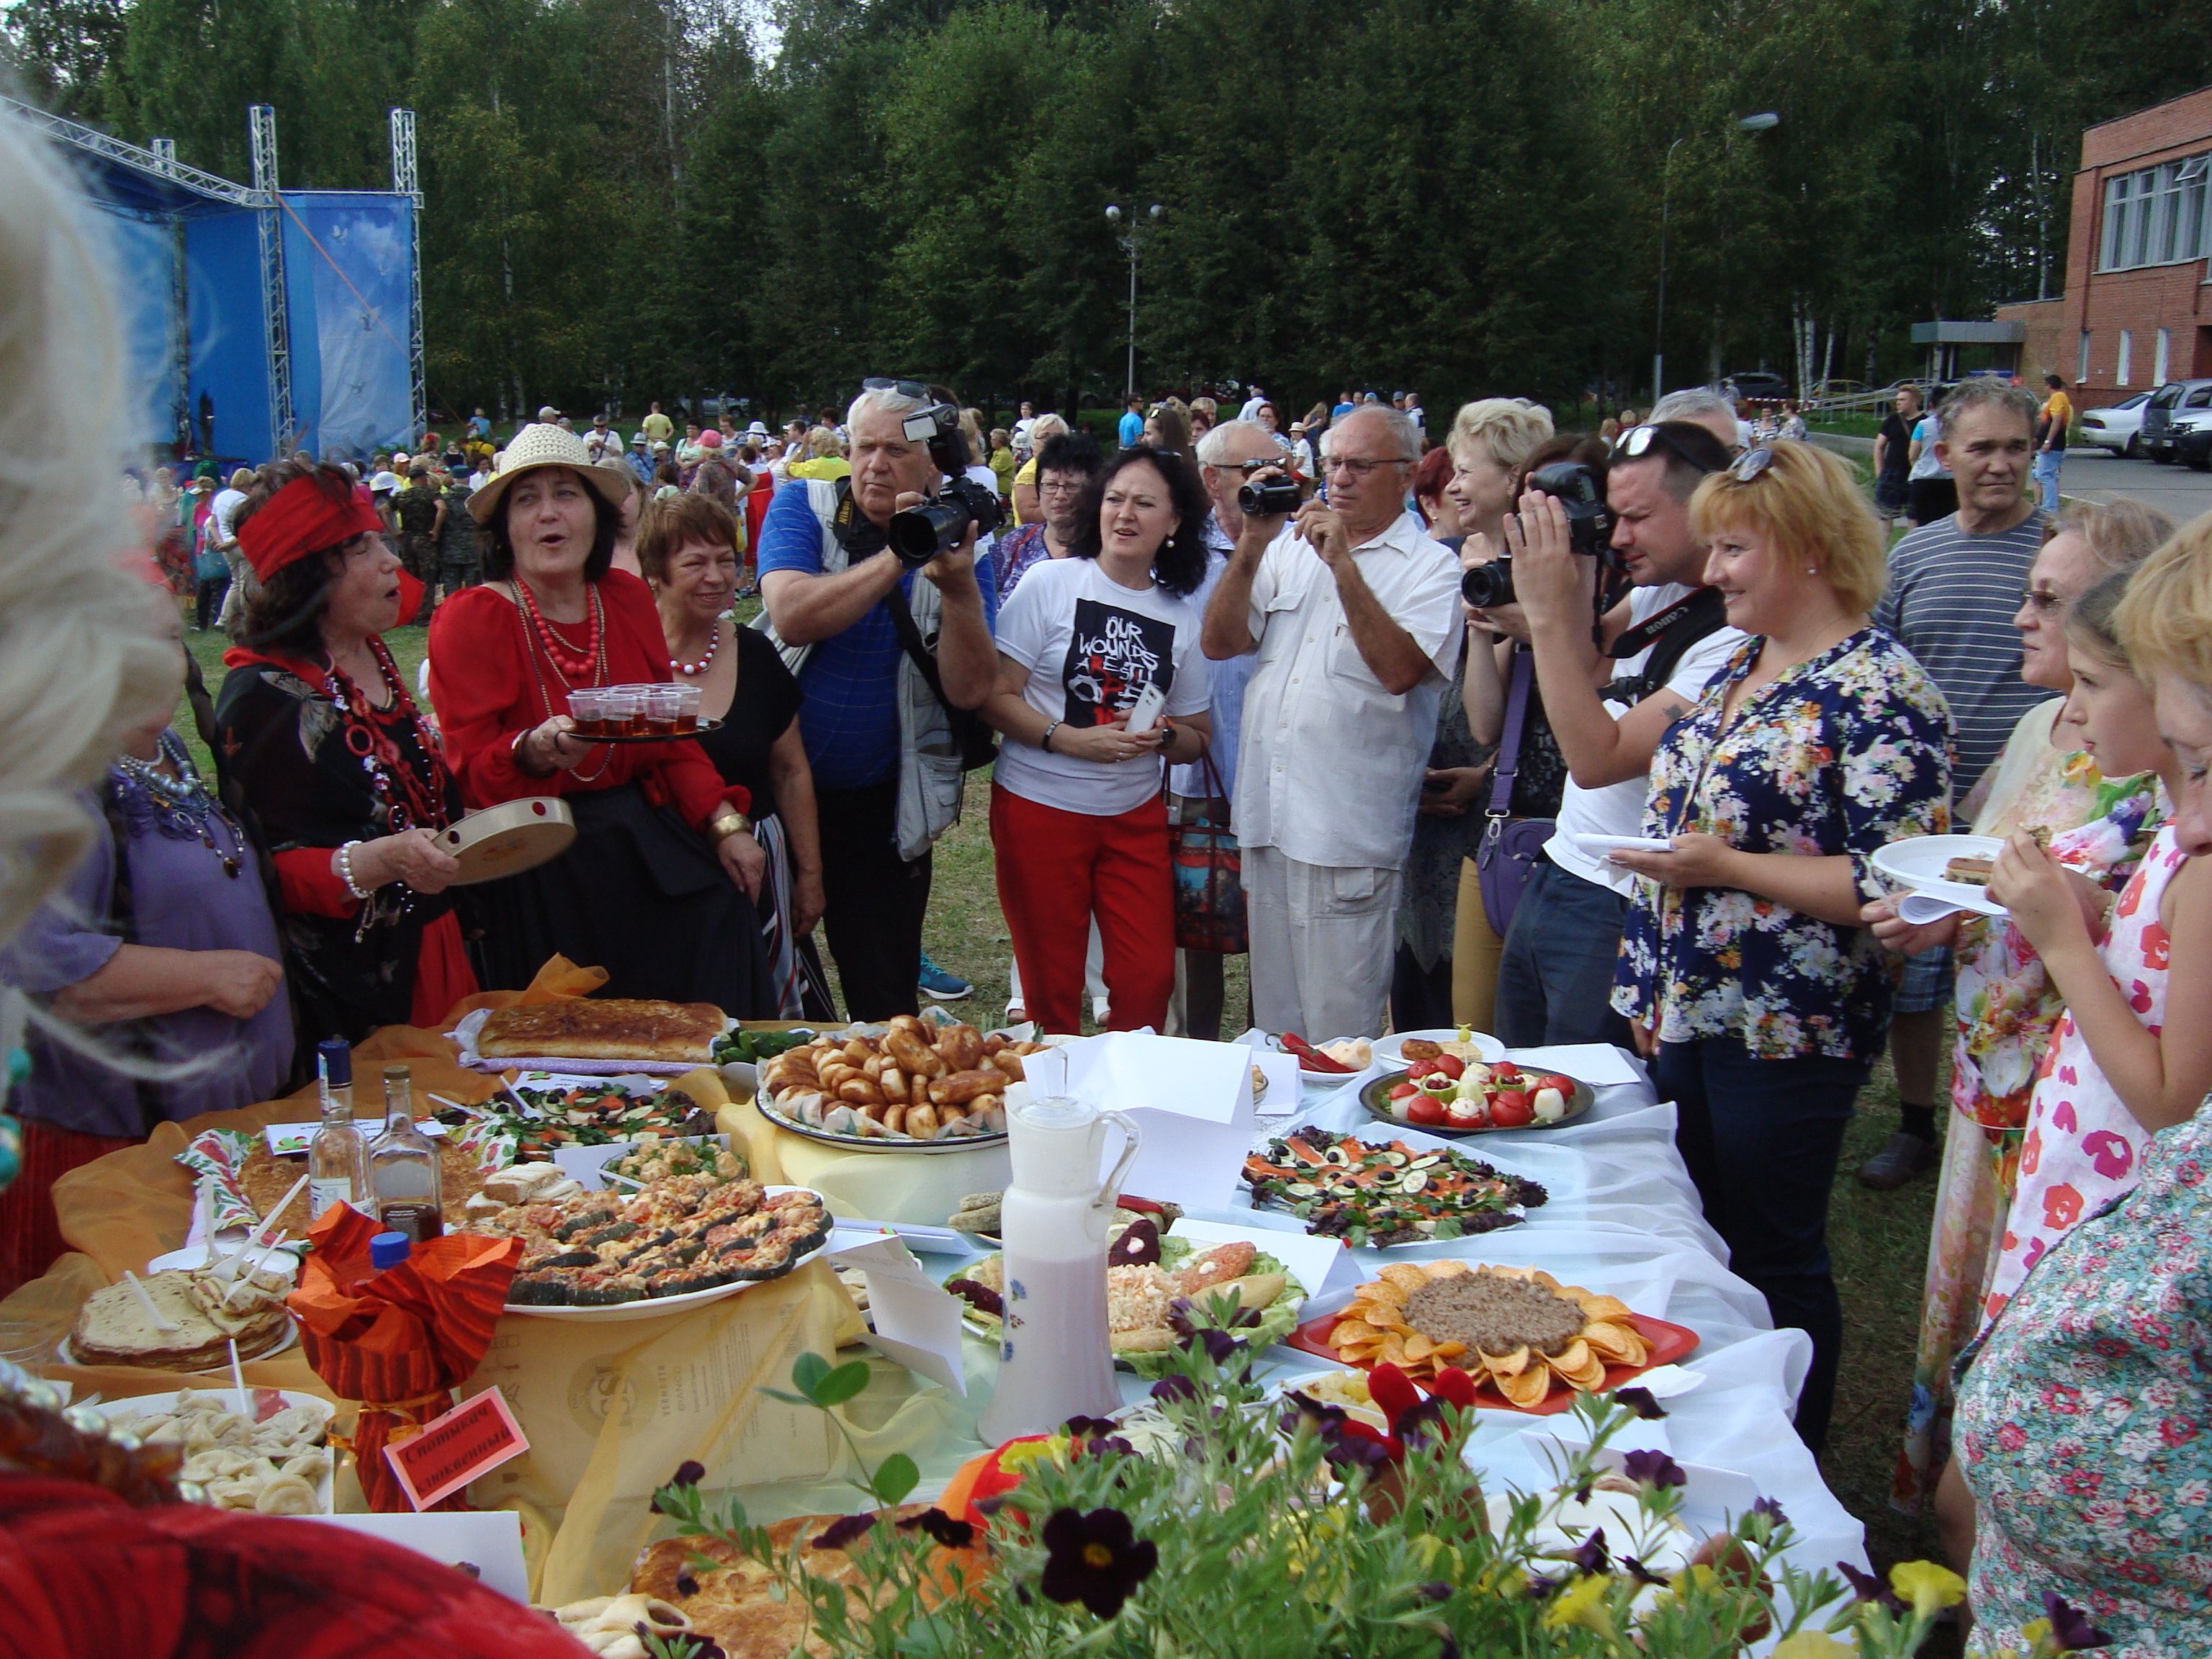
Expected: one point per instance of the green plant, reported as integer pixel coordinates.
(1220, 1521)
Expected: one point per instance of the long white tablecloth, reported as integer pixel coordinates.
(1622, 1219)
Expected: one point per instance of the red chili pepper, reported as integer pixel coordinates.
(1310, 1057)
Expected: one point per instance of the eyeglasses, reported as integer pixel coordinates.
(1639, 441)
(904, 388)
(2040, 599)
(1750, 465)
(1060, 486)
(1248, 468)
(1357, 466)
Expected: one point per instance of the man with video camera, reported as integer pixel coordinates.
(1354, 614)
(1610, 691)
(888, 667)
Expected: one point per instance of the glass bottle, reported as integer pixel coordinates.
(403, 1165)
(338, 1157)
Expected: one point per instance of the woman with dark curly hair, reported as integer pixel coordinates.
(325, 748)
(1077, 819)
(658, 887)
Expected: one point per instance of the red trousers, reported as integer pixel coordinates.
(1056, 870)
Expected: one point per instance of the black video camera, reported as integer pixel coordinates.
(940, 524)
(1268, 497)
(1578, 490)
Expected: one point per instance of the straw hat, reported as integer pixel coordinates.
(542, 445)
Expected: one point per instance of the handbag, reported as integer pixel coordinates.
(1510, 847)
(1208, 872)
(979, 743)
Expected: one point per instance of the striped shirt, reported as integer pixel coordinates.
(1951, 601)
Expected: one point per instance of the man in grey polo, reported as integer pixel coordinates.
(1954, 586)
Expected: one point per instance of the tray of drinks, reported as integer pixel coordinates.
(638, 713)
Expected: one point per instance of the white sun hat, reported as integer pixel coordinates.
(538, 446)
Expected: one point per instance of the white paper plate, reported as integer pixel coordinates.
(652, 1306)
(1918, 865)
(122, 1412)
(1387, 1048)
(1598, 846)
(270, 1258)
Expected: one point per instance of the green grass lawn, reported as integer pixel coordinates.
(1879, 1240)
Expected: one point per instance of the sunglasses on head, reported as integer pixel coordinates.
(1749, 464)
(904, 388)
(1639, 441)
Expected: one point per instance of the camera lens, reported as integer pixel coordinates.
(1486, 587)
(1266, 500)
(920, 533)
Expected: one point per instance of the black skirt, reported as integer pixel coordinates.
(640, 894)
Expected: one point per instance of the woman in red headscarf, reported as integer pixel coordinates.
(321, 742)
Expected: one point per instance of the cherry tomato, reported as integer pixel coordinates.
(1426, 1109)
(1504, 1072)
(1511, 1109)
(1405, 1090)
(1419, 1069)
(1565, 1085)
(1451, 1065)
(1467, 1114)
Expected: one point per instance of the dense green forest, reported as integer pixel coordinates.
(636, 199)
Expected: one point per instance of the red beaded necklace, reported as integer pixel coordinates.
(575, 664)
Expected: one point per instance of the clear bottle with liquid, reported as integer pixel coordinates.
(337, 1157)
(403, 1165)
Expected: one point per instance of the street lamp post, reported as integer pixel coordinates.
(1134, 231)
(1766, 120)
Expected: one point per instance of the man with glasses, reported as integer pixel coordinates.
(887, 776)
(1608, 711)
(1954, 586)
(1354, 614)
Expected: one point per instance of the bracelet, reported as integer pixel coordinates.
(726, 824)
(345, 872)
(1045, 742)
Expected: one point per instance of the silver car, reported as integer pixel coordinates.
(2175, 400)
(2116, 427)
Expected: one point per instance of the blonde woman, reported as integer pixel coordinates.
(1028, 509)
(825, 456)
(1745, 972)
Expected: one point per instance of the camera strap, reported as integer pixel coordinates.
(861, 536)
(1668, 634)
(979, 743)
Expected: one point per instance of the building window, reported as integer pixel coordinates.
(2127, 353)
(2081, 362)
(2158, 216)
(2165, 346)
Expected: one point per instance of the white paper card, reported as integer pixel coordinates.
(490, 1541)
(917, 1322)
(1286, 1081)
(1308, 1259)
(1192, 1103)
(1598, 1064)
(290, 1140)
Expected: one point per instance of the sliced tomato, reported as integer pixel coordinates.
(1510, 1108)
(1426, 1109)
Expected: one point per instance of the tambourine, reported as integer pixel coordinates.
(509, 838)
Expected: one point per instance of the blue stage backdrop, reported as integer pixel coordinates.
(229, 336)
(147, 250)
(347, 259)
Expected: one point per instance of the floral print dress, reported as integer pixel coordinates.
(2079, 1149)
(1840, 754)
(2084, 1427)
(2006, 1008)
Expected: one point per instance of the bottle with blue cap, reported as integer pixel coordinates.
(388, 1250)
(338, 1157)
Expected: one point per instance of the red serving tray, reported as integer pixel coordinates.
(1667, 1342)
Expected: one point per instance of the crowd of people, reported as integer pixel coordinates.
(1572, 737)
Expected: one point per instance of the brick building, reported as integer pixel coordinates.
(2138, 304)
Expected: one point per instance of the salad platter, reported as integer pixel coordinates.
(1378, 1195)
(1447, 1096)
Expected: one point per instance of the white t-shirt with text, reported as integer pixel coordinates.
(1091, 648)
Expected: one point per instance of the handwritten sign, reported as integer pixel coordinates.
(473, 1438)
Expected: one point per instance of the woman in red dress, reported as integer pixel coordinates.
(658, 887)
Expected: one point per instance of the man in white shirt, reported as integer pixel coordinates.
(221, 513)
(1664, 644)
(1251, 412)
(602, 442)
(1355, 615)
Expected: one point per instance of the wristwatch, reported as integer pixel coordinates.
(726, 824)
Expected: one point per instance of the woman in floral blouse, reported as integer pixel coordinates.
(1744, 968)
(2006, 1004)
(2084, 1427)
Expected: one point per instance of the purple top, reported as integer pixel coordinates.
(183, 901)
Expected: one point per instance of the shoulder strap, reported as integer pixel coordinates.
(1509, 739)
(1670, 635)
(910, 641)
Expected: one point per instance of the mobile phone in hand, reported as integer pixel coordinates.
(1144, 713)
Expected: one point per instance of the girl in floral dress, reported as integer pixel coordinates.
(2084, 1415)
(2121, 1064)
(2006, 1005)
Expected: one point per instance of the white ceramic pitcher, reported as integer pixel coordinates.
(1054, 1359)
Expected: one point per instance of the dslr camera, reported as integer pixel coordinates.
(940, 524)
(1578, 490)
(1268, 497)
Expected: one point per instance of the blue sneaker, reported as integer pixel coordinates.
(939, 985)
